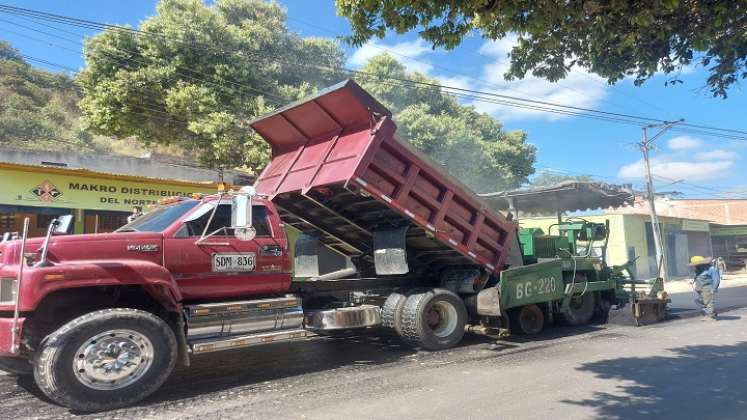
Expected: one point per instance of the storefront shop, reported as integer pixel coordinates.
(730, 243)
(99, 202)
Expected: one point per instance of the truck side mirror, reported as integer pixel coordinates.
(62, 226)
(241, 217)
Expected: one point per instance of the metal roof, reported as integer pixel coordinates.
(567, 196)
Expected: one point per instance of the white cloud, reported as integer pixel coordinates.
(407, 53)
(717, 154)
(684, 143)
(678, 170)
(580, 88)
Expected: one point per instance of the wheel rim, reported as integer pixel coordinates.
(113, 359)
(442, 319)
(530, 319)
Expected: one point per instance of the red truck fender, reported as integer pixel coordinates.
(153, 278)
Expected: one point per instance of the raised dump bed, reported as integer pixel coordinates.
(338, 169)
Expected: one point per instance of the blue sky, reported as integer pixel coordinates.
(567, 144)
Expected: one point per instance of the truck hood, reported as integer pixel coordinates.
(104, 246)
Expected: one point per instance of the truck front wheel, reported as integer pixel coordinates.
(105, 359)
(433, 320)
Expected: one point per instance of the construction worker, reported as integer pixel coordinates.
(706, 282)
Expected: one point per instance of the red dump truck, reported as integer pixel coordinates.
(101, 320)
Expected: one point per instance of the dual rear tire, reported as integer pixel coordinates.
(431, 320)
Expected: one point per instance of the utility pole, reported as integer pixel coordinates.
(645, 146)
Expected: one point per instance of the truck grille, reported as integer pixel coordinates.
(7, 290)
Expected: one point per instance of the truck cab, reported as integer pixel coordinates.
(186, 245)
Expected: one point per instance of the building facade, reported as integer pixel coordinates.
(631, 238)
(727, 218)
(42, 186)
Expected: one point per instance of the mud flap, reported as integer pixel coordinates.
(390, 256)
(306, 260)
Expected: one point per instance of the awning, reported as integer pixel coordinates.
(567, 196)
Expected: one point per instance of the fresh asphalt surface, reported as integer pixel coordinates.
(679, 369)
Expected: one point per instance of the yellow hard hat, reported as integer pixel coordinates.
(698, 260)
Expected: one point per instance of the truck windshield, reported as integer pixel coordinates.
(159, 219)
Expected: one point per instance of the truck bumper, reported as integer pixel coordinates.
(6, 327)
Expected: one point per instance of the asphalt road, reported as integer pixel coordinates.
(678, 369)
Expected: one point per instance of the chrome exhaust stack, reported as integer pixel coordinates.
(14, 347)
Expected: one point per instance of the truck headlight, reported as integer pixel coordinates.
(7, 290)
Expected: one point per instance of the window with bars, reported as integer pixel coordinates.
(7, 220)
(111, 222)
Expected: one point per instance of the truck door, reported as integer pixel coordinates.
(222, 266)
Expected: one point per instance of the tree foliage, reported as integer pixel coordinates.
(614, 39)
(200, 75)
(209, 69)
(471, 146)
(38, 108)
(547, 178)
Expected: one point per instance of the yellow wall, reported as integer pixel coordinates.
(56, 188)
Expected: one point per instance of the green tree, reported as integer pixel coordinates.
(37, 108)
(199, 74)
(548, 178)
(471, 146)
(614, 39)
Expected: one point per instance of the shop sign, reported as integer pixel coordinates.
(729, 231)
(28, 188)
(695, 225)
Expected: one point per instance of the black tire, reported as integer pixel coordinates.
(581, 310)
(527, 320)
(602, 314)
(391, 312)
(57, 377)
(417, 320)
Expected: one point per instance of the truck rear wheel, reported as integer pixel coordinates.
(391, 312)
(581, 310)
(433, 320)
(105, 359)
(528, 320)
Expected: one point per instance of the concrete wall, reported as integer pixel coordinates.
(122, 165)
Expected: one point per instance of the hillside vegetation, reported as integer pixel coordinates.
(39, 111)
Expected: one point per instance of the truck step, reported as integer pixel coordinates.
(242, 306)
(239, 318)
(227, 343)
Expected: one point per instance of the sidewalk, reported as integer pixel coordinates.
(732, 294)
(682, 284)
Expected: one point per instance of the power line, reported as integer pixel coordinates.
(101, 26)
(398, 83)
(483, 81)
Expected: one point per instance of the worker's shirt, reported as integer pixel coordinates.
(708, 278)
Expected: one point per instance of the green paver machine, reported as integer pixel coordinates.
(563, 272)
